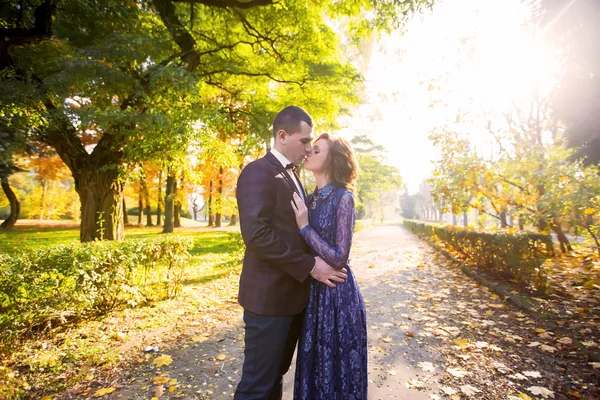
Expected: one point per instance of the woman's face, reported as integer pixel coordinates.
(316, 161)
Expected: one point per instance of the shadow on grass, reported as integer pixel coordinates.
(222, 270)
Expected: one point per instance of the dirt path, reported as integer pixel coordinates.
(433, 334)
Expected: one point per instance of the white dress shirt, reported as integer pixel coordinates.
(284, 161)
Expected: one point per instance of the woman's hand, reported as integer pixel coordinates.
(300, 210)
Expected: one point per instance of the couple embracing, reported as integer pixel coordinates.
(296, 285)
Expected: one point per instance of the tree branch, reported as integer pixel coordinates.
(179, 33)
(230, 3)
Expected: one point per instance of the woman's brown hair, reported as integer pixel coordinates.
(342, 166)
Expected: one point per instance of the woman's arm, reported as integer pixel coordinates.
(337, 257)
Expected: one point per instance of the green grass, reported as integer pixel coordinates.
(210, 284)
(24, 237)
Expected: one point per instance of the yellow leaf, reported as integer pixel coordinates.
(160, 379)
(371, 266)
(162, 360)
(102, 392)
(387, 340)
(221, 357)
(46, 398)
(549, 349)
(173, 382)
(461, 342)
(172, 389)
(540, 330)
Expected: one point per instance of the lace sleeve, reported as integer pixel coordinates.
(337, 256)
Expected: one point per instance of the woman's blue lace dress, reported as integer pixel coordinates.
(332, 350)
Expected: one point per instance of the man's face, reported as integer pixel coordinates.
(297, 146)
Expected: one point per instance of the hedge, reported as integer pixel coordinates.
(44, 288)
(516, 256)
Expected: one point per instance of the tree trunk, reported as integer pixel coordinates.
(125, 216)
(233, 220)
(168, 228)
(210, 205)
(43, 205)
(565, 245)
(160, 199)
(146, 193)
(503, 223)
(219, 199)
(140, 205)
(101, 195)
(465, 219)
(176, 207)
(15, 206)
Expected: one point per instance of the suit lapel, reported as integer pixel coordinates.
(301, 186)
(282, 171)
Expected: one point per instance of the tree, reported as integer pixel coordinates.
(375, 179)
(131, 76)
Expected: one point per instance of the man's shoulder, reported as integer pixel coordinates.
(257, 168)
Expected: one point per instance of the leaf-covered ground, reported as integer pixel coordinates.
(433, 334)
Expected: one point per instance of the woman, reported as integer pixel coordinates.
(332, 350)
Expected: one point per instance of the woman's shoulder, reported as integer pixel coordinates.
(344, 193)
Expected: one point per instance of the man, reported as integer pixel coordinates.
(275, 278)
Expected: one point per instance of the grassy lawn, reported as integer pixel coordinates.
(73, 355)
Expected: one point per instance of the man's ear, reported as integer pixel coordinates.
(281, 135)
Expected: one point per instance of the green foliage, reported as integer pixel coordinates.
(377, 182)
(49, 287)
(516, 256)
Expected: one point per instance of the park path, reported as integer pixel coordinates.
(432, 333)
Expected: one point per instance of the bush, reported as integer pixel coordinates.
(44, 288)
(517, 256)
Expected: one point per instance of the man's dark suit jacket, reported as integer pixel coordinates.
(275, 276)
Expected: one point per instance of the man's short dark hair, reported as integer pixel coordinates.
(289, 120)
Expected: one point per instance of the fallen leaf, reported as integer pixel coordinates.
(387, 340)
(595, 365)
(160, 379)
(518, 376)
(565, 340)
(461, 342)
(457, 372)
(162, 360)
(415, 384)
(103, 391)
(426, 366)
(392, 372)
(221, 357)
(158, 390)
(469, 390)
(541, 391)
(549, 349)
(532, 374)
(448, 390)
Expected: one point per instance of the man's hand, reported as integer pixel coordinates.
(326, 274)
